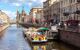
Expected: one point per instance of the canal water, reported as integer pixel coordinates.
(12, 39)
(53, 46)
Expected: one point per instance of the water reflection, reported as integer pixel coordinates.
(2, 34)
(12, 39)
(18, 25)
(53, 46)
(39, 47)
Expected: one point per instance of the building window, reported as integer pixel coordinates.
(78, 0)
(70, 1)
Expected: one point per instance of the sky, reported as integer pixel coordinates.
(11, 6)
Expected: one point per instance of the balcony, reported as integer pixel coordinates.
(77, 12)
(65, 13)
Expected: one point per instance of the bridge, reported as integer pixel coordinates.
(13, 22)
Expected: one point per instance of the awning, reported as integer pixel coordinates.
(43, 28)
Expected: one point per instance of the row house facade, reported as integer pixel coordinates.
(37, 15)
(4, 18)
(51, 9)
(61, 10)
(45, 9)
(70, 14)
(70, 9)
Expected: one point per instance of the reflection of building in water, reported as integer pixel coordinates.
(53, 46)
(50, 46)
(43, 47)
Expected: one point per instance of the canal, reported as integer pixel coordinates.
(12, 39)
(53, 46)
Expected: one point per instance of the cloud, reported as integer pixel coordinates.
(10, 13)
(42, 1)
(38, 0)
(23, 1)
(29, 4)
(35, 3)
(20, 2)
(16, 4)
(34, 0)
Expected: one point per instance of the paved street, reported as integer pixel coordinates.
(12, 39)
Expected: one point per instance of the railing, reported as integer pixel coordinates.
(30, 25)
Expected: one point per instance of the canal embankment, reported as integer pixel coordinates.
(4, 27)
(70, 37)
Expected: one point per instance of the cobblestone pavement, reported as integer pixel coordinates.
(12, 39)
